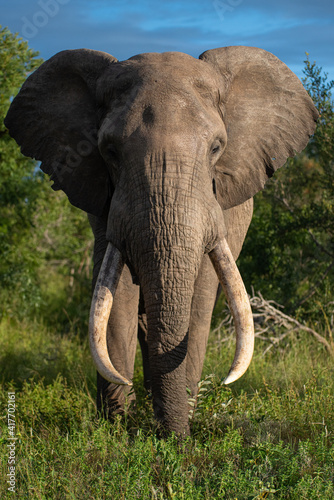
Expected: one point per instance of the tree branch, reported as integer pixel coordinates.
(270, 320)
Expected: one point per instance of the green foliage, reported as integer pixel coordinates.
(33, 351)
(46, 244)
(64, 242)
(19, 183)
(272, 442)
(289, 251)
(16, 62)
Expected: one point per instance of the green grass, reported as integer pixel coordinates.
(269, 436)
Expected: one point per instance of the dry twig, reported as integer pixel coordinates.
(269, 322)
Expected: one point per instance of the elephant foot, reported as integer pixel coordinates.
(163, 432)
(113, 400)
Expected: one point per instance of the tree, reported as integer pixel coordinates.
(45, 243)
(20, 182)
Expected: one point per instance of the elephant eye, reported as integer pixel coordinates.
(217, 148)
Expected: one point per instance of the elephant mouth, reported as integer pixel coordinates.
(233, 286)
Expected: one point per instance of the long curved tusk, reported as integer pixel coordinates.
(102, 301)
(234, 288)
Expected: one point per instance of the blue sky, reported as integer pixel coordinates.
(127, 27)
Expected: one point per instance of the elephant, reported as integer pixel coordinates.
(165, 153)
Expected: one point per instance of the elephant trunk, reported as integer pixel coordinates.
(168, 290)
(167, 275)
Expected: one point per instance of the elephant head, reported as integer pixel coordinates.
(161, 145)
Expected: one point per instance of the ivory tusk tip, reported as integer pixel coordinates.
(120, 381)
(232, 377)
(227, 381)
(117, 380)
(126, 382)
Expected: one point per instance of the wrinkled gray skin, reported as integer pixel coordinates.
(164, 152)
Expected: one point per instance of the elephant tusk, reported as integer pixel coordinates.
(234, 288)
(102, 301)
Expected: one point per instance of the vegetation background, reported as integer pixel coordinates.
(270, 435)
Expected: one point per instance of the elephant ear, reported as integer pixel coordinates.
(54, 120)
(268, 115)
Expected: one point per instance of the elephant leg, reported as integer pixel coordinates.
(204, 299)
(122, 340)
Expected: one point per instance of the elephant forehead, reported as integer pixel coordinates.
(163, 90)
(173, 68)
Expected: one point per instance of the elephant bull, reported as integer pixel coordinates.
(164, 152)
